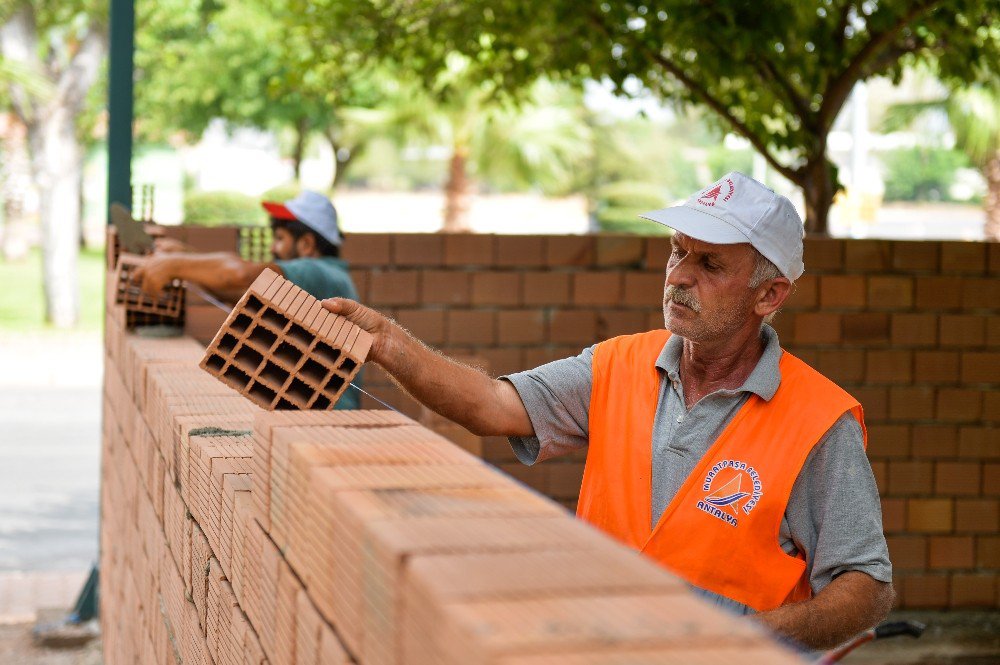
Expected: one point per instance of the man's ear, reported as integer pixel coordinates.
(772, 295)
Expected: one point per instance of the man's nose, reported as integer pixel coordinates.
(680, 274)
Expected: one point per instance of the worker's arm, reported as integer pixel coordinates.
(463, 394)
(224, 274)
(853, 602)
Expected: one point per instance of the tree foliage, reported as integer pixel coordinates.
(777, 72)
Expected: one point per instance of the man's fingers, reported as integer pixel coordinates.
(361, 316)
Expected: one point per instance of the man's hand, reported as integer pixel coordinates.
(367, 319)
(155, 273)
(853, 602)
(169, 246)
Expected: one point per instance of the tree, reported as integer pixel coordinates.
(63, 43)
(777, 73)
(974, 116)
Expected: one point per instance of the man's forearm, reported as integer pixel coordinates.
(850, 604)
(223, 273)
(461, 393)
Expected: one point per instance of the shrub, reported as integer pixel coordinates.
(921, 174)
(220, 208)
(620, 204)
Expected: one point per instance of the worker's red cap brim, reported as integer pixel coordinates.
(277, 210)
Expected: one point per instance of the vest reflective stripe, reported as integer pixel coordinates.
(720, 531)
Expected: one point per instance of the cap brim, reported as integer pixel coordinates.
(278, 210)
(697, 224)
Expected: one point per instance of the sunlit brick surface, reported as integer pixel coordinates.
(282, 350)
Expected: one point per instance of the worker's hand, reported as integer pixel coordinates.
(169, 246)
(367, 319)
(154, 274)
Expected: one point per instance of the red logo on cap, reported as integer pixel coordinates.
(711, 197)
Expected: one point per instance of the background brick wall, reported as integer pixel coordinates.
(912, 329)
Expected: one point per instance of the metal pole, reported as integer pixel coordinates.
(120, 103)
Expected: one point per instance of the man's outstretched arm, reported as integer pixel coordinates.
(853, 602)
(224, 274)
(463, 394)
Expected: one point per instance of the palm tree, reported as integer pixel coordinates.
(974, 116)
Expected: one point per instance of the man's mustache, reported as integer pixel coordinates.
(681, 296)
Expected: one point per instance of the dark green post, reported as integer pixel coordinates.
(120, 68)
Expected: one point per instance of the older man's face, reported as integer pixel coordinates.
(707, 295)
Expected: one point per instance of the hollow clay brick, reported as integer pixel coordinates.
(140, 307)
(282, 350)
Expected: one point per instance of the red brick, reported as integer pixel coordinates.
(521, 326)
(888, 441)
(983, 367)
(991, 479)
(982, 443)
(931, 441)
(914, 329)
(425, 324)
(889, 367)
(805, 294)
(570, 251)
(503, 361)
(991, 406)
(893, 515)
(842, 291)
(657, 253)
(477, 327)
(988, 552)
(981, 294)
(875, 402)
(535, 356)
(935, 367)
(597, 288)
(643, 289)
(362, 280)
(951, 552)
(445, 287)
(929, 515)
(546, 288)
(823, 254)
(913, 256)
(881, 472)
(565, 479)
(784, 325)
(468, 249)
(890, 292)
(867, 255)
(959, 405)
(977, 515)
(496, 288)
(808, 356)
(907, 552)
(908, 477)
(957, 478)
(817, 328)
(568, 326)
(418, 249)
(615, 322)
(844, 366)
(620, 250)
(973, 590)
(925, 591)
(993, 331)
(368, 249)
(911, 403)
(536, 477)
(397, 287)
(520, 250)
(866, 327)
(963, 257)
(963, 330)
(939, 292)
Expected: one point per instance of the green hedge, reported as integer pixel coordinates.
(219, 208)
(921, 174)
(620, 204)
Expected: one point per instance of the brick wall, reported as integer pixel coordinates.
(230, 534)
(912, 329)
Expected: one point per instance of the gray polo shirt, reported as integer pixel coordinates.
(833, 514)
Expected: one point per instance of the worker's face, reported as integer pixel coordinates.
(283, 245)
(707, 297)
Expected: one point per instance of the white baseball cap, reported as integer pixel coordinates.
(738, 209)
(312, 209)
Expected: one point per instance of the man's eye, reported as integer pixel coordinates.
(711, 267)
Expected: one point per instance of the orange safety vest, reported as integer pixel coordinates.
(720, 531)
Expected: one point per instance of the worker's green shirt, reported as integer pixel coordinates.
(325, 277)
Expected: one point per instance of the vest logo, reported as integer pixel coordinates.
(732, 487)
(711, 197)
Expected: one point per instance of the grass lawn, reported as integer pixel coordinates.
(22, 303)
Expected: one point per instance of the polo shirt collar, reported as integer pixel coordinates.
(763, 380)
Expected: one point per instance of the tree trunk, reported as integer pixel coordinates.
(301, 132)
(818, 189)
(456, 194)
(991, 203)
(342, 158)
(57, 162)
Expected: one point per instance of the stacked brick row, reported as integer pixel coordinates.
(911, 328)
(230, 534)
